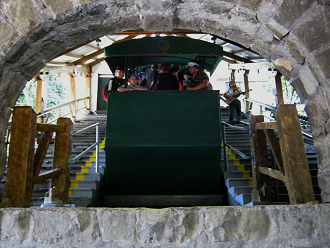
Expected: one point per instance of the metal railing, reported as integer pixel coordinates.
(225, 144)
(47, 111)
(247, 128)
(96, 144)
(302, 118)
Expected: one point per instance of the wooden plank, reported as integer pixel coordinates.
(73, 93)
(266, 125)
(247, 90)
(279, 91)
(21, 154)
(275, 148)
(272, 173)
(259, 153)
(62, 150)
(48, 175)
(88, 89)
(51, 128)
(38, 107)
(41, 152)
(295, 163)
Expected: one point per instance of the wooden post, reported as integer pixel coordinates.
(261, 182)
(88, 89)
(19, 183)
(62, 150)
(38, 107)
(73, 93)
(247, 90)
(296, 169)
(279, 91)
(232, 75)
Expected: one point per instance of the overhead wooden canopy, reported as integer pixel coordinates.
(90, 52)
(138, 53)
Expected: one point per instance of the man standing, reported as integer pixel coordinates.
(152, 76)
(115, 82)
(195, 82)
(231, 94)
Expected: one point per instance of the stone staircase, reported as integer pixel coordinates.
(238, 177)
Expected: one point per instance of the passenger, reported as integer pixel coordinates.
(132, 84)
(143, 73)
(115, 82)
(194, 81)
(166, 80)
(235, 104)
(175, 72)
(180, 74)
(152, 76)
(185, 82)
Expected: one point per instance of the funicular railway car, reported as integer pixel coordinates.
(163, 148)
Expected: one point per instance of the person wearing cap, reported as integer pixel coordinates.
(115, 82)
(132, 84)
(195, 82)
(152, 76)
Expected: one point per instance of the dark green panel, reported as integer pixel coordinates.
(137, 53)
(163, 143)
(102, 82)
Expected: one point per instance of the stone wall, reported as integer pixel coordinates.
(271, 226)
(293, 34)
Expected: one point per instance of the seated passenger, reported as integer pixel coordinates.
(132, 84)
(175, 72)
(166, 80)
(194, 81)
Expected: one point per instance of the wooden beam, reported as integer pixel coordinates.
(295, 163)
(279, 91)
(62, 150)
(266, 125)
(51, 128)
(88, 57)
(41, 152)
(261, 183)
(51, 174)
(247, 90)
(73, 93)
(272, 173)
(95, 62)
(235, 57)
(38, 107)
(21, 154)
(88, 89)
(275, 148)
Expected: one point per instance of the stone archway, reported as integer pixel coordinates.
(296, 41)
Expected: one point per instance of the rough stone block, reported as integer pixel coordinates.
(316, 24)
(323, 60)
(260, 226)
(291, 10)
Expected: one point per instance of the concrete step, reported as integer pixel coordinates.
(86, 176)
(237, 174)
(93, 184)
(81, 201)
(82, 192)
(243, 199)
(231, 182)
(237, 190)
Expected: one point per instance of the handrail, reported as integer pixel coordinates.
(225, 144)
(96, 144)
(51, 109)
(272, 108)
